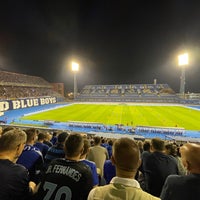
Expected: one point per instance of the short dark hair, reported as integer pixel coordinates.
(172, 149)
(110, 142)
(55, 133)
(62, 136)
(146, 146)
(41, 136)
(158, 144)
(31, 132)
(73, 145)
(97, 140)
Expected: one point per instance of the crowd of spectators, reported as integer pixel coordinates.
(126, 90)
(14, 85)
(16, 92)
(159, 93)
(36, 164)
(22, 79)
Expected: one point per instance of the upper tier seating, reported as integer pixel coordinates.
(15, 85)
(128, 93)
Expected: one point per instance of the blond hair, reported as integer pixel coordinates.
(11, 139)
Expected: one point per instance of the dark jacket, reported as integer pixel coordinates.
(181, 187)
(158, 167)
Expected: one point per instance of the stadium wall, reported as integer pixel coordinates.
(25, 103)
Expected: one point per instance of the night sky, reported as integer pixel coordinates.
(114, 41)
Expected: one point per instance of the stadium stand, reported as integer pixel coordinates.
(19, 91)
(159, 93)
(15, 86)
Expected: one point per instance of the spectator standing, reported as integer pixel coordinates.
(171, 149)
(158, 167)
(54, 138)
(57, 150)
(91, 164)
(40, 145)
(109, 171)
(14, 183)
(67, 178)
(146, 152)
(109, 148)
(31, 157)
(104, 143)
(47, 139)
(185, 187)
(140, 145)
(98, 154)
(126, 158)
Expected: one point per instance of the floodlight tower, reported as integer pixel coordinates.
(75, 68)
(183, 61)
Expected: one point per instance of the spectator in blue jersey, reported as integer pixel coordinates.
(91, 164)
(14, 178)
(54, 138)
(47, 139)
(67, 178)
(185, 187)
(31, 157)
(40, 145)
(109, 171)
(104, 142)
(109, 148)
(57, 150)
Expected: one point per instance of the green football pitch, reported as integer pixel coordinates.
(132, 115)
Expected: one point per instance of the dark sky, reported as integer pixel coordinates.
(114, 41)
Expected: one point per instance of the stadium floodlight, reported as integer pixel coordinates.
(75, 68)
(183, 61)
